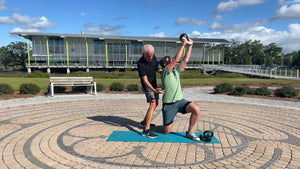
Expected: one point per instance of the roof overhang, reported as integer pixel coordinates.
(29, 35)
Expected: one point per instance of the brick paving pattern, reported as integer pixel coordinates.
(72, 134)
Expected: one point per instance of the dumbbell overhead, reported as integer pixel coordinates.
(186, 36)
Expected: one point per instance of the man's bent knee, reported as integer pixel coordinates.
(193, 108)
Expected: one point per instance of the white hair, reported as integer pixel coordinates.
(148, 47)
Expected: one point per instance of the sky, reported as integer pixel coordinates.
(269, 21)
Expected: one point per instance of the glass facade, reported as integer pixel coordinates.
(110, 53)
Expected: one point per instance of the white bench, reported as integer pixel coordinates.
(72, 81)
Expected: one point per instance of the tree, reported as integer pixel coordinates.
(287, 60)
(232, 52)
(6, 59)
(18, 52)
(273, 55)
(296, 58)
(249, 52)
(256, 52)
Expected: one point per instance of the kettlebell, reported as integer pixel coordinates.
(186, 36)
(207, 136)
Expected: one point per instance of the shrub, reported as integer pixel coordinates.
(116, 87)
(38, 74)
(29, 88)
(239, 91)
(224, 87)
(248, 90)
(100, 87)
(262, 91)
(133, 87)
(81, 88)
(58, 89)
(286, 92)
(6, 89)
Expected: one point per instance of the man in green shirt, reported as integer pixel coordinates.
(173, 100)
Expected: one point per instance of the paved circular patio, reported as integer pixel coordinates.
(72, 134)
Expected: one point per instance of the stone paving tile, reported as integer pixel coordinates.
(72, 134)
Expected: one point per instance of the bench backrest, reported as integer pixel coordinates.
(71, 80)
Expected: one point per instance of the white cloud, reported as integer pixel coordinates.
(288, 12)
(104, 29)
(288, 40)
(227, 6)
(83, 14)
(161, 34)
(233, 4)
(295, 30)
(3, 7)
(216, 25)
(27, 23)
(285, 2)
(189, 21)
(119, 19)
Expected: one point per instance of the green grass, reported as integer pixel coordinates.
(43, 83)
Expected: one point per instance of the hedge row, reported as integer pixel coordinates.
(30, 88)
(26, 88)
(289, 92)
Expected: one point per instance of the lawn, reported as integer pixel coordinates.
(44, 82)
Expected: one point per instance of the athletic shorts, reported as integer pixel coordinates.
(150, 95)
(170, 110)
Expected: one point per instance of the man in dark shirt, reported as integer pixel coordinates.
(147, 68)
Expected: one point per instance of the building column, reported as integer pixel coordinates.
(68, 70)
(106, 54)
(219, 60)
(67, 49)
(29, 70)
(28, 52)
(126, 56)
(48, 56)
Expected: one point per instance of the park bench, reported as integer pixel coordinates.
(72, 81)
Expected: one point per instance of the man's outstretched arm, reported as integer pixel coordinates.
(187, 55)
(178, 55)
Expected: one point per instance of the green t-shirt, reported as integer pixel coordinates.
(171, 84)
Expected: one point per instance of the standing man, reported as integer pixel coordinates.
(147, 68)
(173, 100)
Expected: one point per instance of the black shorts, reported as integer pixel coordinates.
(170, 110)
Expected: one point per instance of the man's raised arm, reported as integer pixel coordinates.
(187, 55)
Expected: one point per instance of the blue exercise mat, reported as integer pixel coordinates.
(173, 137)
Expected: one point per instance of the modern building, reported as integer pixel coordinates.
(85, 51)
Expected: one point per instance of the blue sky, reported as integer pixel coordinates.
(270, 21)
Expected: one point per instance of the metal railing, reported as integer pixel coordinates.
(255, 70)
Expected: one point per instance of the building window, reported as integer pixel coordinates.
(56, 45)
(136, 47)
(99, 46)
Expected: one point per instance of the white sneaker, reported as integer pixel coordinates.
(192, 136)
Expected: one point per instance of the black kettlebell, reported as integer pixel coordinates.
(207, 136)
(186, 36)
(183, 35)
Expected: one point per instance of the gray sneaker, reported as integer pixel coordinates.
(192, 136)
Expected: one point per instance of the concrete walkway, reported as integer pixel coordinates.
(72, 134)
